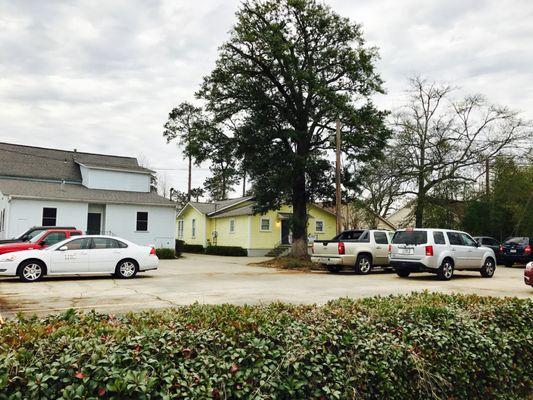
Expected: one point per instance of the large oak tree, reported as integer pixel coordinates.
(289, 69)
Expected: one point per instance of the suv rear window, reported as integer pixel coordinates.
(410, 237)
(438, 238)
(518, 240)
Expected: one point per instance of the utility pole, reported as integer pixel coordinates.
(338, 176)
(189, 181)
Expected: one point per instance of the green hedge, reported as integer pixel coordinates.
(422, 346)
(178, 247)
(226, 251)
(165, 254)
(193, 248)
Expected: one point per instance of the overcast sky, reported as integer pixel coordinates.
(101, 76)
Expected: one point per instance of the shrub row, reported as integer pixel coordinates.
(165, 254)
(182, 247)
(423, 346)
(226, 251)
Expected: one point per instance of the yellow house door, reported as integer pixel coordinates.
(285, 232)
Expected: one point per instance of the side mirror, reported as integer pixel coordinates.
(63, 248)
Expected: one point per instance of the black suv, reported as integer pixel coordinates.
(32, 232)
(492, 243)
(517, 250)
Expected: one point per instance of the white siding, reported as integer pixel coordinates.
(115, 180)
(24, 214)
(121, 220)
(4, 206)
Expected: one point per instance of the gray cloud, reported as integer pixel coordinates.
(102, 76)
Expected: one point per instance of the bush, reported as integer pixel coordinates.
(179, 247)
(226, 251)
(165, 254)
(423, 346)
(193, 248)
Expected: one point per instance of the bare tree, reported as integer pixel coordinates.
(380, 186)
(440, 139)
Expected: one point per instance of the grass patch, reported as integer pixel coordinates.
(291, 263)
(422, 346)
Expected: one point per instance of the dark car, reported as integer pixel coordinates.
(517, 250)
(32, 232)
(492, 243)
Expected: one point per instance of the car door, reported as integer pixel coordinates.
(105, 255)
(458, 249)
(474, 253)
(71, 258)
(381, 253)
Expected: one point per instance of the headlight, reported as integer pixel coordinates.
(8, 259)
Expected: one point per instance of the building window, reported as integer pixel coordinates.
(180, 229)
(231, 226)
(2, 220)
(193, 228)
(265, 225)
(142, 221)
(49, 216)
(319, 226)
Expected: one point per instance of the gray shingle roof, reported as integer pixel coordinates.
(19, 188)
(207, 208)
(246, 210)
(43, 163)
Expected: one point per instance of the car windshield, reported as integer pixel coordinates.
(34, 233)
(410, 237)
(36, 238)
(517, 240)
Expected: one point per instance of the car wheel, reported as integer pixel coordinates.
(487, 271)
(126, 269)
(445, 271)
(363, 265)
(402, 273)
(334, 268)
(31, 271)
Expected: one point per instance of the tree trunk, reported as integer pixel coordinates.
(419, 211)
(299, 213)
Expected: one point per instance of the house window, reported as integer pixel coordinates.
(265, 225)
(193, 228)
(319, 226)
(142, 221)
(49, 216)
(180, 229)
(2, 220)
(231, 226)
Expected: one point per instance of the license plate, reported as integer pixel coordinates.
(513, 250)
(405, 251)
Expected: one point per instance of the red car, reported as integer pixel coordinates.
(42, 240)
(528, 274)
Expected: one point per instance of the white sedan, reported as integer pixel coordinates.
(81, 255)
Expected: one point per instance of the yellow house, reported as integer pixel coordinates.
(233, 223)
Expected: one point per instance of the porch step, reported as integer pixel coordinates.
(279, 250)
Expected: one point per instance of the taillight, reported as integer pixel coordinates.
(429, 251)
(341, 248)
(501, 248)
(527, 249)
(152, 251)
(390, 248)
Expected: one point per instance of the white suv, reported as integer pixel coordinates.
(440, 251)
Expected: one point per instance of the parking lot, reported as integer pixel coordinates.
(215, 280)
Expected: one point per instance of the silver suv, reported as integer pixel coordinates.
(440, 251)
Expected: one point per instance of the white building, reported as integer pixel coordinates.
(96, 193)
